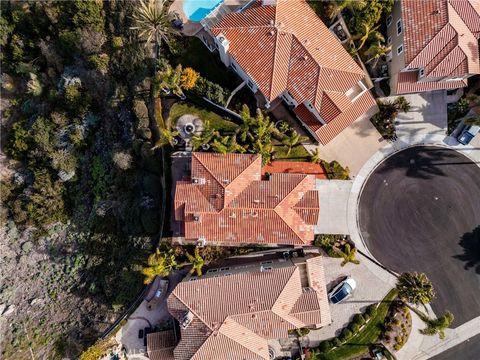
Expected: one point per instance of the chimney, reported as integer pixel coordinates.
(269, 2)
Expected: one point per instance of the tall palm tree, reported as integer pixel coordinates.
(196, 261)
(206, 137)
(154, 23)
(415, 288)
(292, 140)
(438, 325)
(376, 51)
(369, 32)
(348, 255)
(315, 156)
(170, 79)
(265, 150)
(160, 263)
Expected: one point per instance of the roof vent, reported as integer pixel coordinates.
(197, 218)
(254, 214)
(436, 12)
(305, 57)
(271, 32)
(306, 42)
(233, 215)
(256, 201)
(226, 181)
(201, 241)
(198, 181)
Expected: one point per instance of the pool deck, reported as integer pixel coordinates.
(192, 28)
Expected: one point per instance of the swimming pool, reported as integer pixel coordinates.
(196, 10)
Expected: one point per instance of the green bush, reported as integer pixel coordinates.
(99, 62)
(335, 171)
(359, 319)
(337, 342)
(211, 91)
(346, 334)
(371, 310)
(354, 327)
(325, 346)
(19, 139)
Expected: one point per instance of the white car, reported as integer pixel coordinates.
(342, 290)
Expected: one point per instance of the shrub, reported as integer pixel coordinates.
(303, 332)
(117, 42)
(402, 104)
(359, 319)
(346, 334)
(336, 342)
(211, 91)
(19, 139)
(335, 171)
(122, 160)
(396, 322)
(354, 327)
(99, 62)
(189, 78)
(371, 310)
(325, 346)
(141, 112)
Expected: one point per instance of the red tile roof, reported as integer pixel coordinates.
(441, 36)
(235, 316)
(160, 345)
(288, 48)
(295, 167)
(407, 83)
(233, 205)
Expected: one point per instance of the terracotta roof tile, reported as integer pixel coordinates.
(288, 48)
(439, 35)
(160, 345)
(234, 316)
(295, 167)
(407, 83)
(244, 209)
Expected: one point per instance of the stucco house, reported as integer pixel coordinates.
(434, 44)
(285, 53)
(241, 309)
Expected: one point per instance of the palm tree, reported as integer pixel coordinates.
(245, 129)
(206, 137)
(153, 23)
(167, 137)
(340, 5)
(415, 288)
(376, 51)
(368, 33)
(160, 263)
(196, 261)
(438, 326)
(170, 79)
(291, 141)
(265, 150)
(348, 255)
(315, 156)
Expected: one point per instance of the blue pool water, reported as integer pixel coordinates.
(196, 10)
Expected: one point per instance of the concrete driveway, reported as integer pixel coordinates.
(333, 196)
(370, 289)
(354, 145)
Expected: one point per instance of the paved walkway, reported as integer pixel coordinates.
(333, 196)
(353, 146)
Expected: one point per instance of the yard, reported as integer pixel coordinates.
(360, 343)
(218, 122)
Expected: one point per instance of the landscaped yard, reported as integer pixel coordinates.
(218, 122)
(361, 342)
(298, 153)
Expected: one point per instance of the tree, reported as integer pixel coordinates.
(167, 136)
(196, 261)
(160, 263)
(153, 23)
(375, 52)
(292, 140)
(369, 32)
(189, 78)
(402, 104)
(415, 288)
(206, 137)
(315, 156)
(348, 255)
(170, 79)
(472, 121)
(438, 326)
(340, 5)
(227, 145)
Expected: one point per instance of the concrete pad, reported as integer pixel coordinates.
(333, 196)
(353, 146)
(370, 289)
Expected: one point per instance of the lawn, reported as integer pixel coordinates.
(218, 122)
(298, 153)
(360, 343)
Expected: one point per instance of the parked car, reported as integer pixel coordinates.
(468, 134)
(342, 290)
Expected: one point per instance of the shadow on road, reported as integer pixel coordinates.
(470, 242)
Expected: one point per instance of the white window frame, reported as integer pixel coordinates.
(400, 49)
(389, 40)
(389, 20)
(399, 22)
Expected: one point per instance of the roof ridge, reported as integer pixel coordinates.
(295, 272)
(190, 309)
(255, 157)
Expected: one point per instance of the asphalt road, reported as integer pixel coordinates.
(468, 350)
(420, 211)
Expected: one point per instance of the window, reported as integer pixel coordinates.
(389, 20)
(389, 40)
(421, 72)
(265, 268)
(399, 27)
(193, 278)
(399, 49)
(234, 66)
(250, 84)
(224, 269)
(212, 271)
(266, 262)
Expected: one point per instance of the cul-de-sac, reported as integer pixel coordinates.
(240, 179)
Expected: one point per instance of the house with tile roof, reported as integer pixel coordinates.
(227, 202)
(241, 310)
(434, 44)
(284, 52)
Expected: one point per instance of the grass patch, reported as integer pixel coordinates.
(218, 122)
(360, 342)
(298, 153)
